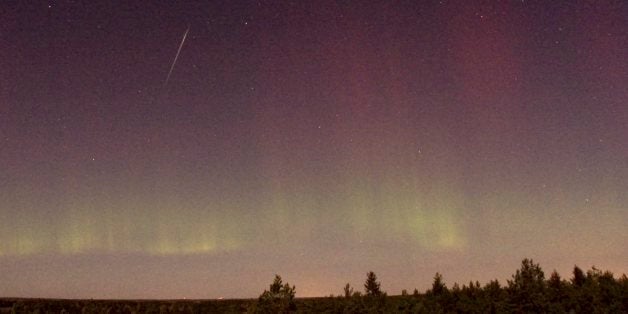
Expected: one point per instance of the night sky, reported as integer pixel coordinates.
(313, 139)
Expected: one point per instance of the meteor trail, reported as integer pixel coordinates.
(177, 55)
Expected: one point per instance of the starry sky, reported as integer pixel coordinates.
(317, 140)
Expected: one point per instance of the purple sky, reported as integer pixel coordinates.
(316, 140)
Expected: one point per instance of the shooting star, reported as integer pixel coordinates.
(177, 55)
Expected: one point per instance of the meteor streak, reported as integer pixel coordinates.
(177, 55)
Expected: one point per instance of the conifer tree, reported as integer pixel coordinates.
(372, 286)
(578, 277)
(527, 288)
(278, 299)
(438, 286)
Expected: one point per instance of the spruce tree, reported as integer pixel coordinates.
(372, 286)
(527, 288)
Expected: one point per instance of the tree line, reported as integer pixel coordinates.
(528, 291)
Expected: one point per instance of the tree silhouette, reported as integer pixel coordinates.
(438, 286)
(495, 296)
(372, 286)
(578, 277)
(610, 291)
(593, 291)
(278, 299)
(557, 293)
(527, 288)
(622, 284)
(348, 290)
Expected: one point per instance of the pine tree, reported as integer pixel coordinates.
(527, 288)
(557, 293)
(579, 278)
(372, 286)
(438, 286)
(278, 299)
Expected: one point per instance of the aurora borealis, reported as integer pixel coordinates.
(316, 140)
